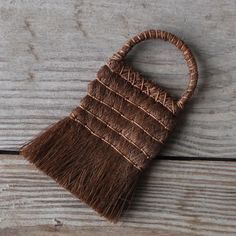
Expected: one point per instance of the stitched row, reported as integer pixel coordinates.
(126, 89)
(147, 92)
(122, 135)
(154, 96)
(126, 99)
(132, 121)
(73, 117)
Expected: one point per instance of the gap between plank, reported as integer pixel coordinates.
(175, 158)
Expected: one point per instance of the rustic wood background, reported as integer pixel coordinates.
(50, 50)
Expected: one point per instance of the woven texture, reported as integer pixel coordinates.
(129, 113)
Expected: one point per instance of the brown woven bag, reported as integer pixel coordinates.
(100, 150)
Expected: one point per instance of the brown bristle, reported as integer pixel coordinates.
(99, 152)
(85, 165)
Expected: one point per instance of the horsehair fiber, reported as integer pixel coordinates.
(99, 152)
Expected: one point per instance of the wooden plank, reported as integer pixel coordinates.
(80, 231)
(49, 51)
(174, 197)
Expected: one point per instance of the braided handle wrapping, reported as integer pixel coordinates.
(171, 38)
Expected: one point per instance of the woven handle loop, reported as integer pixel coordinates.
(171, 38)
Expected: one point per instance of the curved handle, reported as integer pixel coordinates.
(171, 38)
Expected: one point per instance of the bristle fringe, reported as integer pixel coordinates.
(85, 165)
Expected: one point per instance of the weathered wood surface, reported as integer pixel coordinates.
(175, 197)
(50, 50)
(80, 231)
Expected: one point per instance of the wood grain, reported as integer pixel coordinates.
(80, 231)
(174, 198)
(50, 50)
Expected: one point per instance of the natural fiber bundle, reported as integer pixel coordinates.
(99, 152)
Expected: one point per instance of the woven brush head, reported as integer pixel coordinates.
(99, 152)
